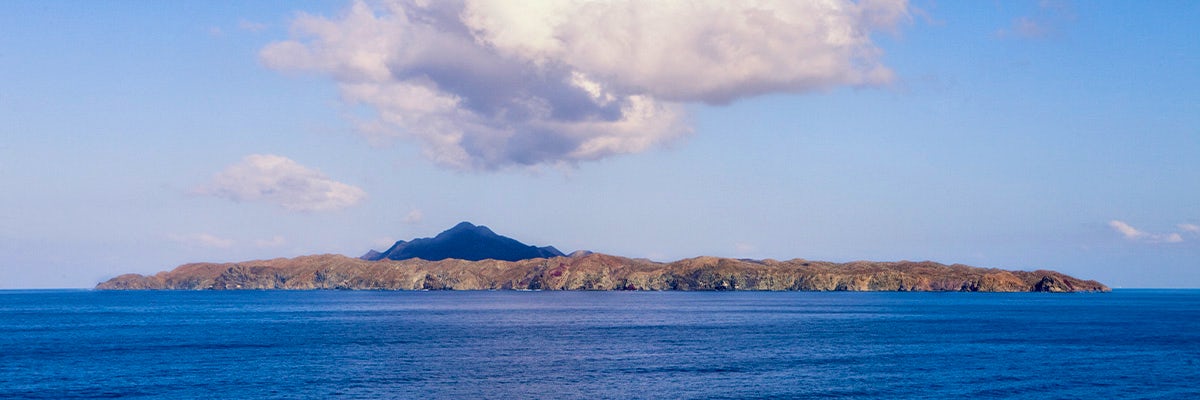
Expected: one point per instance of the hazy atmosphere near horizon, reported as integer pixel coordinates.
(138, 136)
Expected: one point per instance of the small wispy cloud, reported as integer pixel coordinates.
(274, 241)
(1125, 229)
(1193, 228)
(414, 217)
(201, 240)
(1134, 234)
(280, 181)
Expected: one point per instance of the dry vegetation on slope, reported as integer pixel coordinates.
(597, 272)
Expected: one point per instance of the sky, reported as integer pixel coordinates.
(138, 136)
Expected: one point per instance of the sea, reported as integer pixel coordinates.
(67, 344)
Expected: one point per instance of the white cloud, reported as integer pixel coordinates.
(487, 85)
(1135, 234)
(201, 240)
(274, 241)
(280, 181)
(413, 217)
(1124, 228)
(1190, 228)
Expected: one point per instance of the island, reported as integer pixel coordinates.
(459, 259)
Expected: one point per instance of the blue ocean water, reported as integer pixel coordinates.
(343, 344)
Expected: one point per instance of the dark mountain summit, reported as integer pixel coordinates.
(464, 241)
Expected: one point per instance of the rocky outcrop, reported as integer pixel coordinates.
(594, 271)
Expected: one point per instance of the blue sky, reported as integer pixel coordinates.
(1029, 134)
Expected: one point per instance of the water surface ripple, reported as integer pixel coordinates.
(336, 344)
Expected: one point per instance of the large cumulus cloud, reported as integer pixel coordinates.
(486, 84)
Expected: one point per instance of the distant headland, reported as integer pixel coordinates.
(470, 257)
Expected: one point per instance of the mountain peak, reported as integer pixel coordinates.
(467, 227)
(462, 226)
(464, 241)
